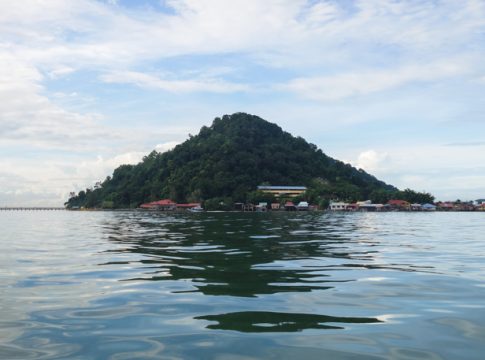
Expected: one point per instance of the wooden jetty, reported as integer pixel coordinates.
(30, 208)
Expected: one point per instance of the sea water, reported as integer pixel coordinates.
(149, 285)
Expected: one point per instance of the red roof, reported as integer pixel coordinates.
(163, 202)
(289, 203)
(446, 205)
(398, 202)
(147, 206)
(189, 205)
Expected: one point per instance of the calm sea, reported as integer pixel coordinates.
(139, 285)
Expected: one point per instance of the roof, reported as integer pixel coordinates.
(163, 202)
(265, 187)
(189, 205)
(146, 206)
(289, 203)
(446, 205)
(398, 202)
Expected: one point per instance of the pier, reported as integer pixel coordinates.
(30, 208)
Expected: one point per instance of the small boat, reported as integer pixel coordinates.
(302, 206)
(196, 209)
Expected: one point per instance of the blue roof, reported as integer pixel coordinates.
(265, 187)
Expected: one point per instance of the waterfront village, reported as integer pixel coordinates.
(286, 193)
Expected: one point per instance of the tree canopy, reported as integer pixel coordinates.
(228, 160)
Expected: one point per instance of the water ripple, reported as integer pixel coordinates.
(128, 284)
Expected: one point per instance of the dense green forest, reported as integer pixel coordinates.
(226, 162)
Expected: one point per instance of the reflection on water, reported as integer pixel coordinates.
(153, 285)
(223, 254)
(266, 321)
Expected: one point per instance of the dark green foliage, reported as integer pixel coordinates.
(415, 197)
(255, 197)
(228, 160)
(218, 203)
(411, 196)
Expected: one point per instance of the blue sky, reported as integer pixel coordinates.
(394, 87)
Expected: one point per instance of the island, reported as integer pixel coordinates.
(235, 161)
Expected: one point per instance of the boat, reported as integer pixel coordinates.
(196, 209)
(302, 206)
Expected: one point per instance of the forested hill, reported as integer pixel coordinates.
(225, 163)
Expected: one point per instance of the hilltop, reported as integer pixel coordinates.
(226, 162)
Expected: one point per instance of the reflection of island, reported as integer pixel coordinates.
(235, 254)
(264, 321)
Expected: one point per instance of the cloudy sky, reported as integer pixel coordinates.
(394, 87)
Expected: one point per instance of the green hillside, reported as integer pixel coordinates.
(226, 162)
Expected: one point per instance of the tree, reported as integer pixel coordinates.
(255, 197)
(230, 159)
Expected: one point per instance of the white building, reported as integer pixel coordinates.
(338, 206)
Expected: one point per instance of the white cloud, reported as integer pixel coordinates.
(60, 71)
(455, 172)
(176, 86)
(166, 146)
(64, 36)
(49, 182)
(28, 116)
(80, 33)
(101, 167)
(28, 182)
(336, 87)
(372, 160)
